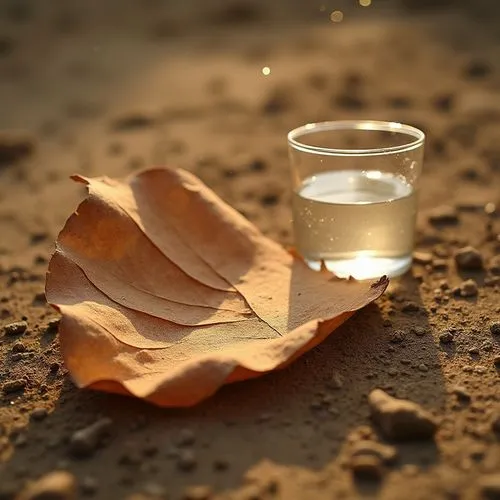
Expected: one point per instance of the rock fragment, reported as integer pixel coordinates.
(14, 385)
(489, 486)
(469, 259)
(383, 452)
(84, 442)
(367, 467)
(131, 122)
(39, 414)
(197, 493)
(468, 288)
(186, 460)
(57, 485)
(443, 215)
(400, 419)
(446, 337)
(16, 328)
(423, 258)
(495, 328)
(14, 148)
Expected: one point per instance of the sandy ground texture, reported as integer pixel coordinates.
(108, 87)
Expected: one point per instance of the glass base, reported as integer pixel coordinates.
(364, 267)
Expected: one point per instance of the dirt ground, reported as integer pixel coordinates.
(108, 87)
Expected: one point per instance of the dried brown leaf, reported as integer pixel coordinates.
(167, 293)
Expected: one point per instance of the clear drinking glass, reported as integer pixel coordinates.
(355, 186)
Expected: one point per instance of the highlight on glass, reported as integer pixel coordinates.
(355, 191)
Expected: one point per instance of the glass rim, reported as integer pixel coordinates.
(373, 125)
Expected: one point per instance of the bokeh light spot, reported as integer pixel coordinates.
(337, 16)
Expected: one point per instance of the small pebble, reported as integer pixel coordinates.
(468, 288)
(439, 264)
(14, 386)
(469, 259)
(53, 325)
(89, 485)
(19, 347)
(489, 486)
(495, 328)
(57, 485)
(336, 382)
(186, 437)
(367, 467)
(446, 338)
(410, 307)
(16, 328)
(397, 336)
(197, 493)
(423, 258)
(14, 147)
(400, 419)
(39, 414)
(186, 460)
(85, 442)
(443, 215)
(419, 331)
(495, 422)
(383, 452)
(135, 121)
(461, 393)
(220, 464)
(476, 69)
(423, 367)
(494, 265)
(154, 490)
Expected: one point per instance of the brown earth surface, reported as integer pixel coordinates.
(109, 87)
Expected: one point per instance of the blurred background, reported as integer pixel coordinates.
(108, 87)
